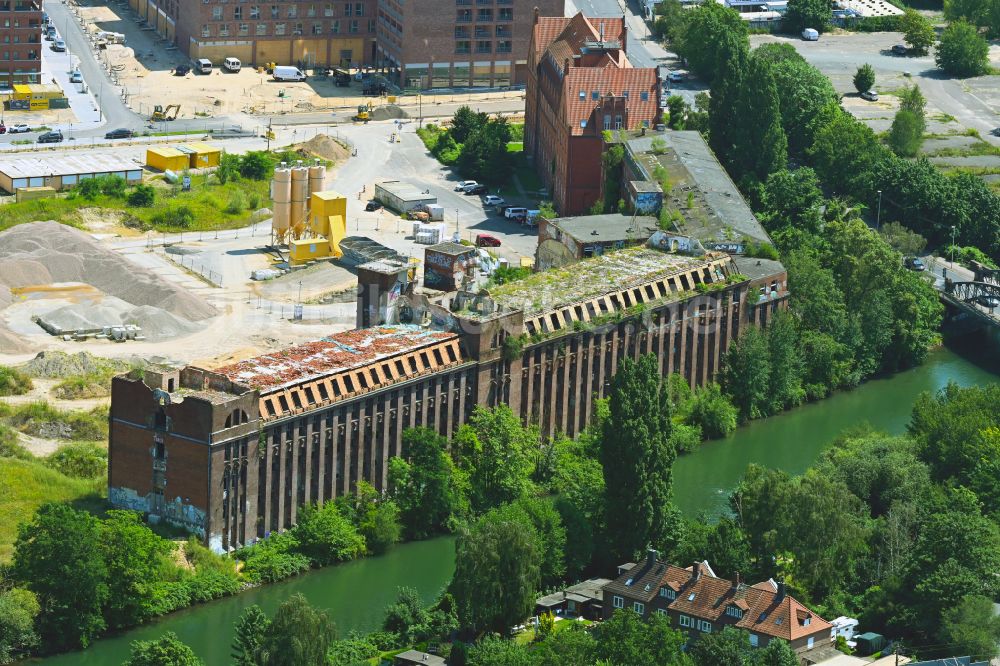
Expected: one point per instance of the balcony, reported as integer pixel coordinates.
(505, 16)
(463, 18)
(505, 33)
(462, 51)
(484, 49)
(483, 33)
(503, 49)
(461, 33)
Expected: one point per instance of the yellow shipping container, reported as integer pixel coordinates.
(165, 157)
(201, 154)
(307, 249)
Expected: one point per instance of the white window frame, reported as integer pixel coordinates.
(639, 608)
(684, 621)
(754, 640)
(705, 627)
(661, 611)
(618, 602)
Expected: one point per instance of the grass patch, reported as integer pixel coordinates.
(40, 419)
(975, 150)
(524, 171)
(27, 484)
(13, 381)
(515, 146)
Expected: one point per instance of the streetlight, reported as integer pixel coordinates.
(878, 216)
(953, 246)
(300, 291)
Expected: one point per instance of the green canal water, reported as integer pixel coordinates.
(356, 593)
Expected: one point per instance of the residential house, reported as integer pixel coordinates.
(581, 600)
(699, 602)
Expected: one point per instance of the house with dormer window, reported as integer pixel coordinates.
(699, 602)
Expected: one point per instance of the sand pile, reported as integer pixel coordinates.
(322, 145)
(388, 112)
(58, 364)
(47, 252)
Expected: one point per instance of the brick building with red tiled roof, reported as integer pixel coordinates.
(580, 83)
(697, 601)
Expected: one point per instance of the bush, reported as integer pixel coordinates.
(236, 204)
(88, 188)
(685, 438)
(906, 134)
(256, 165)
(272, 559)
(176, 216)
(228, 169)
(325, 536)
(14, 382)
(40, 418)
(112, 186)
(80, 460)
(761, 251)
(9, 447)
(143, 196)
(864, 78)
(962, 51)
(713, 412)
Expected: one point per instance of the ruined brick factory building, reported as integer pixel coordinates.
(232, 453)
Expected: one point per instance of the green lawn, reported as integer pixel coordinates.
(27, 484)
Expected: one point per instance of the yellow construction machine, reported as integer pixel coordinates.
(168, 113)
(364, 112)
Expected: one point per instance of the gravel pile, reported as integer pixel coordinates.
(388, 112)
(47, 252)
(58, 364)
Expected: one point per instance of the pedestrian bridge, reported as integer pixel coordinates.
(979, 298)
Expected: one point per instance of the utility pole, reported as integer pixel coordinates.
(953, 246)
(878, 216)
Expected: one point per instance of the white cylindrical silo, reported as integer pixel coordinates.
(317, 178)
(300, 194)
(281, 194)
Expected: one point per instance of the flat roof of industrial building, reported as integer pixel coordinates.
(606, 228)
(590, 278)
(718, 213)
(65, 165)
(404, 191)
(454, 249)
(334, 353)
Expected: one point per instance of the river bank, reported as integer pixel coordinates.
(357, 592)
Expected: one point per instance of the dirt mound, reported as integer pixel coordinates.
(323, 145)
(45, 252)
(58, 364)
(388, 112)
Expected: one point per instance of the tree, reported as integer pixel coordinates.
(407, 617)
(574, 645)
(425, 488)
(18, 610)
(792, 199)
(677, 110)
(167, 650)
(143, 196)
(962, 51)
(864, 78)
(906, 134)
(712, 412)
(497, 451)
(250, 629)
(484, 153)
(492, 650)
(902, 239)
(971, 627)
(60, 539)
(918, 31)
(844, 150)
(465, 123)
(778, 653)
(626, 639)
(980, 13)
(133, 556)
(228, 169)
(637, 459)
(376, 517)
(325, 536)
(727, 549)
(670, 20)
(540, 515)
(256, 165)
(496, 573)
(761, 145)
(299, 635)
(746, 373)
(724, 123)
(784, 382)
(729, 647)
(705, 28)
(804, 14)
(805, 93)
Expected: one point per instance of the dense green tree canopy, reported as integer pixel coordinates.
(962, 51)
(298, 635)
(804, 14)
(425, 486)
(918, 31)
(167, 650)
(18, 610)
(706, 27)
(626, 638)
(497, 452)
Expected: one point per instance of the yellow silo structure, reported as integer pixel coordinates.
(327, 227)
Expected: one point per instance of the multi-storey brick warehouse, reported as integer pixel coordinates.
(288, 33)
(420, 43)
(457, 43)
(233, 453)
(21, 32)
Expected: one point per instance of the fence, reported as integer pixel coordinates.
(302, 311)
(196, 266)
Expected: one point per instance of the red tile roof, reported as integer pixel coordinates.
(765, 609)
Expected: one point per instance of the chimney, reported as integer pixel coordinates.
(534, 20)
(651, 556)
(624, 41)
(781, 592)
(737, 581)
(696, 571)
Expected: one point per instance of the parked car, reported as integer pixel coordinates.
(478, 188)
(50, 34)
(120, 133)
(870, 95)
(462, 184)
(51, 137)
(986, 301)
(515, 212)
(59, 45)
(915, 264)
(485, 240)
(900, 49)
(373, 205)
(810, 35)
(493, 200)
(182, 70)
(18, 129)
(995, 131)
(676, 77)
(76, 77)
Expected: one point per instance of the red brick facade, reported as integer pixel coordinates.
(581, 83)
(21, 31)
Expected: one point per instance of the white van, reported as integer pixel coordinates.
(285, 73)
(810, 35)
(232, 64)
(511, 213)
(203, 66)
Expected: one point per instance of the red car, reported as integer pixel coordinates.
(485, 240)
